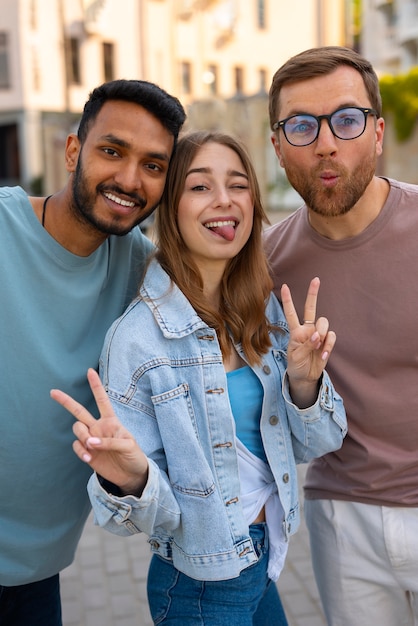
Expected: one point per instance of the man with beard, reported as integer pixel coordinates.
(358, 233)
(67, 274)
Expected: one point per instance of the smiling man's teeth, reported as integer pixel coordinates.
(218, 224)
(119, 200)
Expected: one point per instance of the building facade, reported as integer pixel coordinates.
(389, 39)
(216, 56)
(390, 34)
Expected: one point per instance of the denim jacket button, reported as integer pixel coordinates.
(266, 369)
(285, 478)
(274, 420)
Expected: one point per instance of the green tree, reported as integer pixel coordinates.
(400, 97)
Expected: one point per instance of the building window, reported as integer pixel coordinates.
(4, 61)
(33, 15)
(239, 79)
(262, 80)
(9, 155)
(186, 77)
(72, 46)
(108, 61)
(36, 75)
(261, 14)
(211, 79)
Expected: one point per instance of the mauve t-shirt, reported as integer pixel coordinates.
(369, 293)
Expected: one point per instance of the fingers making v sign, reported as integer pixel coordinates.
(310, 345)
(104, 443)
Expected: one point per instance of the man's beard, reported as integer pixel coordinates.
(338, 200)
(84, 201)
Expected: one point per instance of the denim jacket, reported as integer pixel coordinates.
(162, 368)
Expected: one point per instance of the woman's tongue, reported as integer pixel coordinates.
(227, 231)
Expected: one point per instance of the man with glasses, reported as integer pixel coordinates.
(358, 233)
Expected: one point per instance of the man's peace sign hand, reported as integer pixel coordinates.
(310, 345)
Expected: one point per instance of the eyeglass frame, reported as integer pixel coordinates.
(365, 110)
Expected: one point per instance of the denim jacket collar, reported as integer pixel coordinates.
(170, 308)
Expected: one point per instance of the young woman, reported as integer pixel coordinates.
(216, 399)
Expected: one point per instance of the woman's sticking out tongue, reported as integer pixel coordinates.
(223, 229)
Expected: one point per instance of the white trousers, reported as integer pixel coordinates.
(365, 560)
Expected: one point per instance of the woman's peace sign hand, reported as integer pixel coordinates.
(310, 345)
(108, 447)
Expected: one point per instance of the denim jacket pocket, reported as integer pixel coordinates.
(190, 473)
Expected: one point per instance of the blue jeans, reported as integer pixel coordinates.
(35, 604)
(251, 599)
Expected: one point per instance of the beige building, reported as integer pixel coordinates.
(390, 34)
(389, 39)
(216, 56)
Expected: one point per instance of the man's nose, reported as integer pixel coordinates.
(326, 141)
(128, 176)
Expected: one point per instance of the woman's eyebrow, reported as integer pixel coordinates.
(207, 170)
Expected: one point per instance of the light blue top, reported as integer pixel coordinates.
(246, 398)
(55, 310)
(162, 367)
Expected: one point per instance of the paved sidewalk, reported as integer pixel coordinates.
(106, 584)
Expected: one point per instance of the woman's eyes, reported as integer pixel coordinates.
(204, 187)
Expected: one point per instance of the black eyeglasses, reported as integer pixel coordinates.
(346, 123)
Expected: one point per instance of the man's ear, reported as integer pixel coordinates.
(380, 131)
(276, 146)
(72, 152)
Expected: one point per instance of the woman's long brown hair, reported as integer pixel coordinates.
(246, 282)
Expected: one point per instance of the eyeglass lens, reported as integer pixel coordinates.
(348, 123)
